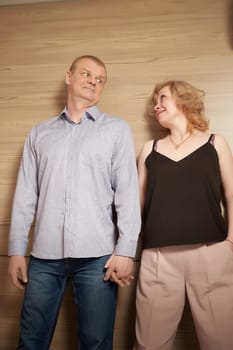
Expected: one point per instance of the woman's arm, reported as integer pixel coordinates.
(226, 168)
(142, 171)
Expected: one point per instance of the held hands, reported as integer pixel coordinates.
(18, 271)
(119, 270)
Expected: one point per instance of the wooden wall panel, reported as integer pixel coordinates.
(142, 42)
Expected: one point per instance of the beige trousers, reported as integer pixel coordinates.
(202, 272)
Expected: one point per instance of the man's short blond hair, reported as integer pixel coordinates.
(90, 57)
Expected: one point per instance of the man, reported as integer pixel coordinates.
(77, 174)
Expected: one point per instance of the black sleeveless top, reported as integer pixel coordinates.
(182, 203)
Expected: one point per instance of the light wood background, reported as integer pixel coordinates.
(142, 42)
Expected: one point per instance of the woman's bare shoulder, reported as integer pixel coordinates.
(221, 143)
(147, 147)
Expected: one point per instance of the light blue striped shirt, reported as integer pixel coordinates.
(71, 175)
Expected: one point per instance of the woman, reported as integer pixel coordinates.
(187, 244)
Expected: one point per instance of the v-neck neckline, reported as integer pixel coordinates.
(183, 158)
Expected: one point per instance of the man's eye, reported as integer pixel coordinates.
(86, 74)
(100, 81)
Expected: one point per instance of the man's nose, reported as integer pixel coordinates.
(92, 81)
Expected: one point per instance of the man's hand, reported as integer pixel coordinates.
(119, 270)
(18, 271)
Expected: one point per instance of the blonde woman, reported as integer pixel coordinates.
(187, 243)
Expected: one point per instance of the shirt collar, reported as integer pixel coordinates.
(91, 112)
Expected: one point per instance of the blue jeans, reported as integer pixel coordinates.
(95, 302)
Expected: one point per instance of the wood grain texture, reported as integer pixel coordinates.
(142, 42)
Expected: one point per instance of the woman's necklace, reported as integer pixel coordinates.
(177, 145)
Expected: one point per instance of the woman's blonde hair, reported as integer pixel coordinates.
(188, 99)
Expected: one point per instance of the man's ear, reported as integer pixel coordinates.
(68, 77)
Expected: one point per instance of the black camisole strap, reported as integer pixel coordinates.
(211, 139)
(154, 147)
